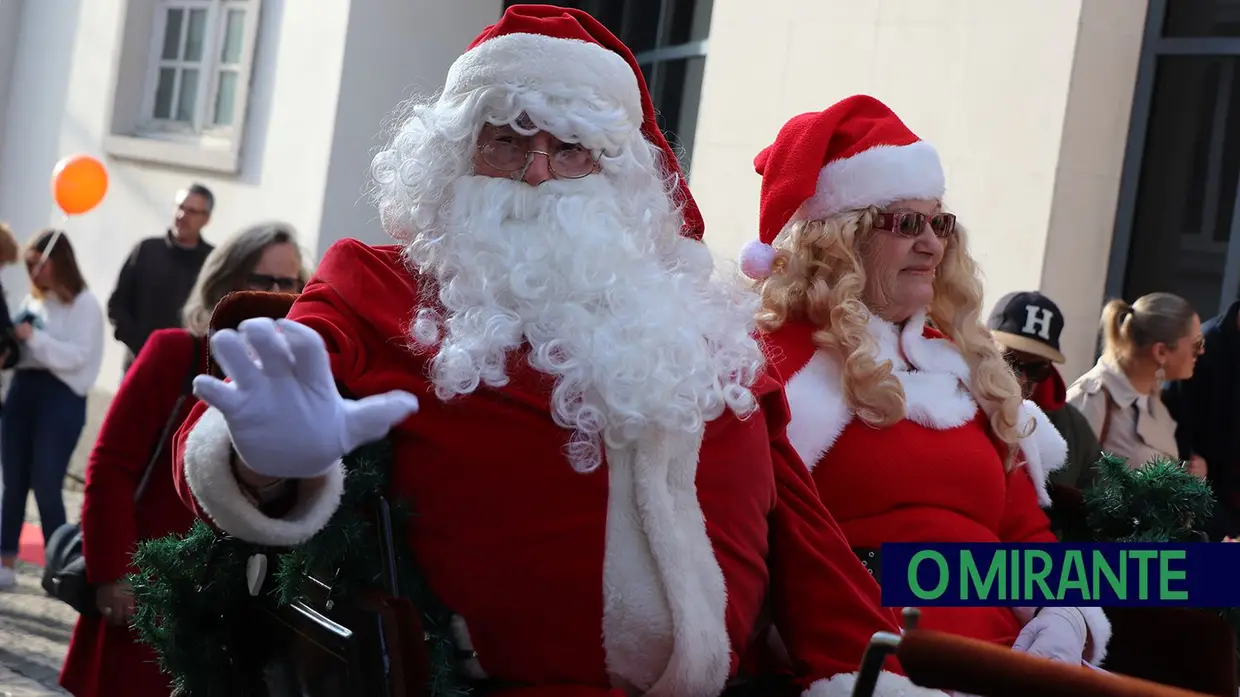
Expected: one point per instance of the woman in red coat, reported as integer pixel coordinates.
(105, 658)
(901, 405)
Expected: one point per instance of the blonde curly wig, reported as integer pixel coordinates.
(818, 276)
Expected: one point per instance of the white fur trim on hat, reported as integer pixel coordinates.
(553, 66)
(876, 177)
(756, 259)
(208, 450)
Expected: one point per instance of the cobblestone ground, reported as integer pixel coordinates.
(34, 629)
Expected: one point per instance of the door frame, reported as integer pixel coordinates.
(1154, 46)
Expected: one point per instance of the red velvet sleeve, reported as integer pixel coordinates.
(178, 460)
(1023, 519)
(826, 605)
(134, 421)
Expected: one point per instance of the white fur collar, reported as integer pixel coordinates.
(935, 378)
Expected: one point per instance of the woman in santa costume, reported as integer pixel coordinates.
(911, 433)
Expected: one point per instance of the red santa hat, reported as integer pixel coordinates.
(558, 50)
(854, 155)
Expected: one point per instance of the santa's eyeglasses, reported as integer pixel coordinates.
(569, 161)
(911, 223)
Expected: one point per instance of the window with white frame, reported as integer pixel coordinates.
(200, 66)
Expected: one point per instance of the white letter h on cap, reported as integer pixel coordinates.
(1038, 321)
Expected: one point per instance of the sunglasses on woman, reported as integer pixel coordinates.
(284, 284)
(911, 223)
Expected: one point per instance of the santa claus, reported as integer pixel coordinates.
(912, 433)
(604, 491)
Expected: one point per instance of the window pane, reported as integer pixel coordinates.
(163, 92)
(234, 31)
(688, 20)
(187, 98)
(196, 33)
(172, 35)
(1219, 18)
(676, 89)
(1187, 190)
(640, 27)
(225, 99)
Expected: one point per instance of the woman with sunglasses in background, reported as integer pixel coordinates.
(124, 505)
(1027, 327)
(911, 433)
(60, 328)
(1144, 345)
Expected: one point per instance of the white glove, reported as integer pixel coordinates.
(1057, 633)
(285, 415)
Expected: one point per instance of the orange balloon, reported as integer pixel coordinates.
(79, 183)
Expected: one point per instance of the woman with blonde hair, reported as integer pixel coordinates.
(125, 501)
(1156, 339)
(911, 433)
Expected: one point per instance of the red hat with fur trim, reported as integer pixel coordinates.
(856, 154)
(558, 51)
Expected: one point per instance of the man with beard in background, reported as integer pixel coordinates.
(604, 494)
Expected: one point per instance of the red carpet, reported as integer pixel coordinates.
(30, 549)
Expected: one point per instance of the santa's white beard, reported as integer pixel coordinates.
(611, 301)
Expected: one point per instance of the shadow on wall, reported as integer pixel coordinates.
(96, 408)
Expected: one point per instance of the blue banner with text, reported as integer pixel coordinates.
(1061, 574)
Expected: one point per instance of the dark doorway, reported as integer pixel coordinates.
(1178, 227)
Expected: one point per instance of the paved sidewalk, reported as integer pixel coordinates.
(34, 629)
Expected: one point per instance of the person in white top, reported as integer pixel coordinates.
(60, 327)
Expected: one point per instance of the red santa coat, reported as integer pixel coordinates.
(936, 476)
(538, 561)
(104, 660)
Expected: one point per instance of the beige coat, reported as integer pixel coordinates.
(1132, 431)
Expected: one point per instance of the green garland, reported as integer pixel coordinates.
(1160, 502)
(192, 596)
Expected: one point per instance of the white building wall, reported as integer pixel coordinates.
(30, 126)
(394, 51)
(327, 74)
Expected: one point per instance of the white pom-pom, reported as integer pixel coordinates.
(757, 257)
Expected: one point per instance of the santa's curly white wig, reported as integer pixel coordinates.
(592, 274)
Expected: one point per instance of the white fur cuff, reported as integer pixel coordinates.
(889, 685)
(1099, 633)
(208, 450)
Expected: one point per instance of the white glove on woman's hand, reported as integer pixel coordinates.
(1058, 633)
(285, 415)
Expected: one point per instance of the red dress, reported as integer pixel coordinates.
(548, 569)
(935, 476)
(103, 660)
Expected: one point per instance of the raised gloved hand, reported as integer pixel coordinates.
(284, 413)
(1057, 633)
